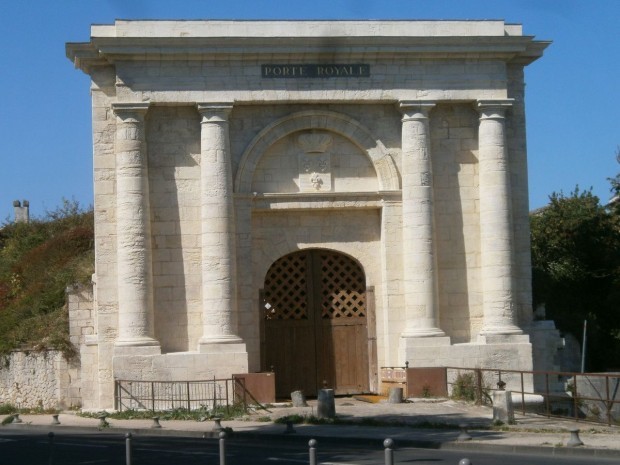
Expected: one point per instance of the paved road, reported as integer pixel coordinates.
(109, 449)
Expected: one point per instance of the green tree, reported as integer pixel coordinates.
(576, 271)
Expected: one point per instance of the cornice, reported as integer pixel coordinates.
(108, 50)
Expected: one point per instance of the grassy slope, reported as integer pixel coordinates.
(38, 261)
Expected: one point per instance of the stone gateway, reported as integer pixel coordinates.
(317, 198)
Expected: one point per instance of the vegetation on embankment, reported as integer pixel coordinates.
(38, 260)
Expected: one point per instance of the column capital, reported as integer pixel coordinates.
(214, 111)
(415, 109)
(125, 110)
(493, 108)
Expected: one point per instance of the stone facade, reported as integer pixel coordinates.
(222, 146)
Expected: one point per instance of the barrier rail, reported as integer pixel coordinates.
(171, 395)
(591, 397)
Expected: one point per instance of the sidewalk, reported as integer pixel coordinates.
(414, 424)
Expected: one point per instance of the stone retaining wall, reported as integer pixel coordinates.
(34, 379)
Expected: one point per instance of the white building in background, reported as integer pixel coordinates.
(316, 198)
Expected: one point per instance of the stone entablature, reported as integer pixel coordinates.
(208, 170)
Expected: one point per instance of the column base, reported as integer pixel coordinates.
(500, 330)
(519, 338)
(412, 348)
(137, 346)
(217, 340)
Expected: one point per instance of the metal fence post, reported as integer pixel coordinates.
(50, 436)
(312, 452)
(222, 448)
(389, 451)
(128, 449)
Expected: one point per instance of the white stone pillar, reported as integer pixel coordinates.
(419, 257)
(496, 234)
(133, 229)
(218, 229)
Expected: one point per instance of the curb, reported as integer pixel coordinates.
(327, 438)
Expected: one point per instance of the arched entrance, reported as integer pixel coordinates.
(314, 318)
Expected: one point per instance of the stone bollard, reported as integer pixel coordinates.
(395, 395)
(464, 436)
(326, 406)
(299, 399)
(574, 440)
(55, 420)
(312, 451)
(388, 444)
(155, 423)
(503, 411)
(222, 448)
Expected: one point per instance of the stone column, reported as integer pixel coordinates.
(496, 234)
(419, 257)
(133, 229)
(218, 228)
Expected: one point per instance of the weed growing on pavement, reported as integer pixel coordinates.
(201, 414)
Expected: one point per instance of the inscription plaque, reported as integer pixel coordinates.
(329, 70)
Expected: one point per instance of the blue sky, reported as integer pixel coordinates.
(572, 93)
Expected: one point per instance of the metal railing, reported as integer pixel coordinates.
(170, 395)
(591, 397)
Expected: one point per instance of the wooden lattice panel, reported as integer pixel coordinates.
(343, 287)
(286, 294)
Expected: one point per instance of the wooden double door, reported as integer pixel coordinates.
(314, 323)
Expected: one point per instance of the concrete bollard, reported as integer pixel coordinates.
(395, 395)
(16, 418)
(299, 399)
(222, 448)
(128, 449)
(155, 423)
(503, 411)
(326, 406)
(388, 444)
(55, 420)
(312, 451)
(574, 440)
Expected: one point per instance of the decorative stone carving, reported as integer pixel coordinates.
(315, 164)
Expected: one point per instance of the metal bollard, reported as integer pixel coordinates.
(128, 449)
(50, 437)
(465, 462)
(574, 440)
(312, 452)
(218, 425)
(289, 428)
(155, 423)
(464, 436)
(222, 448)
(389, 451)
(55, 420)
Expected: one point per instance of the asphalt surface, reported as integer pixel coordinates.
(422, 423)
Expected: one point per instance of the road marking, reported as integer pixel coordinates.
(278, 459)
(8, 440)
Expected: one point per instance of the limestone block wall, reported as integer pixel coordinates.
(34, 380)
(173, 144)
(454, 152)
